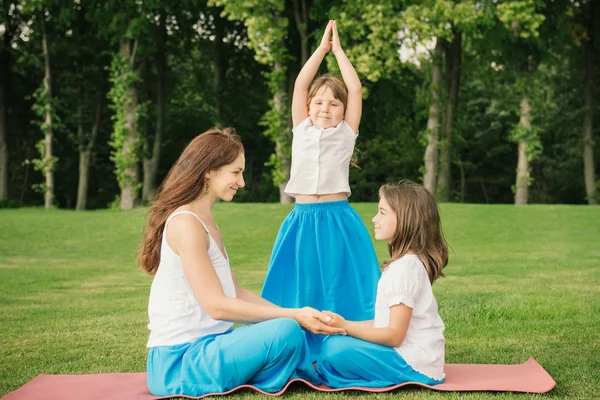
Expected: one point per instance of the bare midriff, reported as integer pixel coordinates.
(320, 198)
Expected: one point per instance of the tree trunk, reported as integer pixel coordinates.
(301, 18)
(588, 139)
(522, 184)
(220, 69)
(84, 160)
(280, 142)
(129, 150)
(433, 122)
(82, 185)
(48, 136)
(85, 153)
(453, 63)
(152, 160)
(4, 99)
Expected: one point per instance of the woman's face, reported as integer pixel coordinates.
(225, 181)
(385, 221)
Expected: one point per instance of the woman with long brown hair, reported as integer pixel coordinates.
(195, 299)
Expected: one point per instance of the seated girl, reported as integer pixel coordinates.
(405, 341)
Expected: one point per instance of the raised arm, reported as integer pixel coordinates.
(306, 76)
(353, 110)
(189, 240)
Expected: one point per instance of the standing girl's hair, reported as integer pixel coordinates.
(419, 229)
(337, 86)
(185, 183)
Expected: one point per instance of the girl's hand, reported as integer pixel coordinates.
(317, 322)
(326, 39)
(337, 321)
(336, 46)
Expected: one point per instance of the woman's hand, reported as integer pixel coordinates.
(317, 322)
(336, 46)
(326, 39)
(336, 320)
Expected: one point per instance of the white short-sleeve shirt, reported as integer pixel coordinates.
(320, 159)
(406, 281)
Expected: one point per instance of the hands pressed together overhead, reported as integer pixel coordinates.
(331, 38)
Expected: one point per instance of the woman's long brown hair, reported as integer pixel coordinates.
(419, 228)
(185, 183)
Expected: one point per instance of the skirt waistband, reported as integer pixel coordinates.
(323, 206)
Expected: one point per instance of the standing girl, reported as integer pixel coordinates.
(195, 299)
(405, 341)
(323, 255)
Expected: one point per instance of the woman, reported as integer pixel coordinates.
(195, 299)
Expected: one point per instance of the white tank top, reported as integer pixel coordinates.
(175, 314)
(320, 159)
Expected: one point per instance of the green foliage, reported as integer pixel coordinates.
(509, 48)
(521, 17)
(43, 105)
(371, 46)
(122, 77)
(531, 136)
(265, 24)
(267, 28)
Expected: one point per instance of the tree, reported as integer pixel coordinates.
(443, 21)
(127, 27)
(267, 27)
(48, 18)
(590, 11)
(9, 22)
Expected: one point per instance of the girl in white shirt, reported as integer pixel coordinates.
(405, 341)
(195, 298)
(323, 256)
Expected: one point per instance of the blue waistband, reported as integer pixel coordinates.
(326, 205)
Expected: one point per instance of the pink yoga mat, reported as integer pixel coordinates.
(527, 377)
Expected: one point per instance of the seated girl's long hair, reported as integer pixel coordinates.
(185, 183)
(419, 228)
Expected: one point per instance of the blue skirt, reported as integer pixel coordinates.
(348, 362)
(266, 355)
(324, 258)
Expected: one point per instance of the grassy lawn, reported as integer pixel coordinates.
(521, 282)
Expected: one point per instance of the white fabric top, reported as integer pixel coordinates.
(406, 281)
(320, 159)
(175, 314)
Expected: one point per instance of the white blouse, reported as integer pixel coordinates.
(175, 314)
(406, 281)
(320, 159)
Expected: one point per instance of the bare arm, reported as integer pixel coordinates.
(391, 336)
(189, 240)
(306, 76)
(353, 110)
(250, 296)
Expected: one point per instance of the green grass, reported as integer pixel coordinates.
(521, 282)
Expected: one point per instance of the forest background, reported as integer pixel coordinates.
(482, 101)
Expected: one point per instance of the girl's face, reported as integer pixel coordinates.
(225, 181)
(385, 221)
(325, 110)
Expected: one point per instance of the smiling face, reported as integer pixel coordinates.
(385, 221)
(225, 181)
(324, 109)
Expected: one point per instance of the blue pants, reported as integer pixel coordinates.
(266, 355)
(323, 257)
(346, 361)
